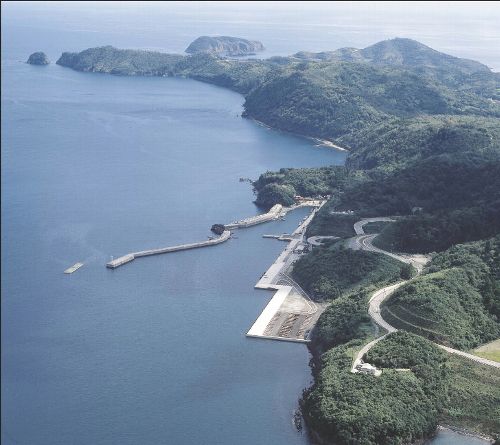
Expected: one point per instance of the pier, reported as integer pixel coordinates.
(282, 237)
(132, 256)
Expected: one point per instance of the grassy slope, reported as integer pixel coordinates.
(457, 299)
(446, 308)
(491, 351)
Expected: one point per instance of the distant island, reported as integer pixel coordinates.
(225, 45)
(423, 133)
(38, 58)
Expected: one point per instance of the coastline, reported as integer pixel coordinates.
(330, 144)
(465, 432)
(319, 142)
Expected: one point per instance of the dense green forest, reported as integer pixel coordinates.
(398, 142)
(328, 272)
(457, 297)
(344, 319)
(280, 187)
(445, 199)
(328, 223)
(399, 407)
(129, 62)
(329, 99)
(456, 301)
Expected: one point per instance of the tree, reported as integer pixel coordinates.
(407, 271)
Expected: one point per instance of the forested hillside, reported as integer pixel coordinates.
(400, 407)
(457, 299)
(398, 101)
(330, 271)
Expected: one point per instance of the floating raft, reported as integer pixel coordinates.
(73, 268)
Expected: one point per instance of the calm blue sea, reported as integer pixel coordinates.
(95, 165)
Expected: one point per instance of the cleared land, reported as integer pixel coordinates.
(491, 350)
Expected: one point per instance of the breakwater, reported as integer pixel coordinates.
(275, 212)
(272, 214)
(132, 256)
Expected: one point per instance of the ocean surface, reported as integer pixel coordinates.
(95, 166)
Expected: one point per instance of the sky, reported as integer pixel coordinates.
(463, 29)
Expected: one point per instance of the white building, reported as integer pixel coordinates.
(366, 368)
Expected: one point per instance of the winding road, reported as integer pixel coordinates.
(364, 242)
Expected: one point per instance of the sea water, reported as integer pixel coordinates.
(95, 166)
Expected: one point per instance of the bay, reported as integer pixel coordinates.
(153, 352)
(96, 165)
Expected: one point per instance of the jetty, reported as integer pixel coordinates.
(274, 213)
(132, 256)
(73, 268)
(291, 314)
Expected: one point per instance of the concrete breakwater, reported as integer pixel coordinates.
(291, 314)
(132, 256)
(274, 213)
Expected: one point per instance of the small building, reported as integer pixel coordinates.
(366, 368)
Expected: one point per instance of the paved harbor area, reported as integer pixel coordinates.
(291, 314)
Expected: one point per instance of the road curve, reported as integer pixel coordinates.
(358, 227)
(364, 242)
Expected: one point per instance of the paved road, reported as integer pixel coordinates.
(358, 227)
(477, 359)
(374, 311)
(364, 242)
(318, 240)
(376, 301)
